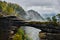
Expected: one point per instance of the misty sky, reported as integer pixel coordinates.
(42, 6)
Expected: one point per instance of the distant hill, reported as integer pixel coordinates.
(35, 16)
(49, 14)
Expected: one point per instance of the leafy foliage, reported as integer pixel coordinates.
(10, 9)
(20, 35)
(54, 19)
(48, 18)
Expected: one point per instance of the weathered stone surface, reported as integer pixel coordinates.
(49, 36)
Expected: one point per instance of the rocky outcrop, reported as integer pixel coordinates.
(49, 36)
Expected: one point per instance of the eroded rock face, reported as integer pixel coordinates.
(49, 36)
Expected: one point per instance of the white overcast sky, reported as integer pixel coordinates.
(42, 6)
